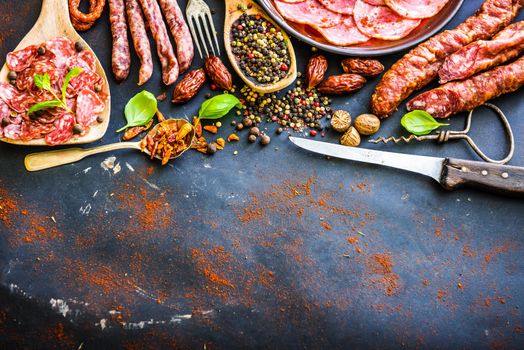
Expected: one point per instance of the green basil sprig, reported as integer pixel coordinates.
(420, 122)
(44, 83)
(140, 110)
(218, 106)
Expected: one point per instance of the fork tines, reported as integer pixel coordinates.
(199, 16)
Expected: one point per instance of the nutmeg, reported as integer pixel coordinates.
(341, 121)
(350, 138)
(367, 124)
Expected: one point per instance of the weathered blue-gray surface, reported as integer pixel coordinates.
(280, 274)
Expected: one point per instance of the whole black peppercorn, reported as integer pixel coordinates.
(12, 75)
(99, 119)
(79, 47)
(280, 131)
(5, 122)
(41, 50)
(211, 148)
(78, 129)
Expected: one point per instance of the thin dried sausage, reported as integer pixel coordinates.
(465, 95)
(178, 26)
(121, 56)
(484, 54)
(140, 40)
(421, 65)
(165, 51)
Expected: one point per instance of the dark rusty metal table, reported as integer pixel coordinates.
(273, 247)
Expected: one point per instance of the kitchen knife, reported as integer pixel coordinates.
(449, 172)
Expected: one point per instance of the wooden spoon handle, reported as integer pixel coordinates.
(52, 10)
(50, 159)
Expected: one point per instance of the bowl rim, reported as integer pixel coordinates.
(356, 50)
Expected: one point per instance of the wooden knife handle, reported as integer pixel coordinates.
(503, 179)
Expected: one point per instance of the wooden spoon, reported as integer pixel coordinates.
(51, 159)
(54, 22)
(251, 8)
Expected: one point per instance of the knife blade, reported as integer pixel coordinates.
(450, 173)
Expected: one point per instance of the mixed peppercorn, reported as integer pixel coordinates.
(260, 49)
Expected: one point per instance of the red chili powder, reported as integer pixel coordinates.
(382, 266)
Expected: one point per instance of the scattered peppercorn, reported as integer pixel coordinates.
(5, 122)
(254, 131)
(79, 47)
(12, 82)
(247, 122)
(260, 49)
(211, 148)
(77, 129)
(280, 131)
(252, 138)
(12, 75)
(240, 126)
(98, 88)
(100, 119)
(265, 140)
(41, 50)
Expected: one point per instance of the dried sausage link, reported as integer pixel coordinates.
(165, 51)
(140, 40)
(83, 21)
(468, 94)
(421, 65)
(121, 57)
(180, 31)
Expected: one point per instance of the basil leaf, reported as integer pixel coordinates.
(72, 73)
(42, 81)
(419, 122)
(44, 105)
(218, 106)
(140, 110)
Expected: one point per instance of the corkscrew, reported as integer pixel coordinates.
(446, 135)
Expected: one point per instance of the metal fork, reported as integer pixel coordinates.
(198, 14)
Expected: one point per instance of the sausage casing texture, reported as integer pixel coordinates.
(153, 15)
(121, 57)
(465, 95)
(484, 54)
(421, 65)
(140, 40)
(184, 43)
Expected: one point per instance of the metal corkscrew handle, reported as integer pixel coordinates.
(446, 135)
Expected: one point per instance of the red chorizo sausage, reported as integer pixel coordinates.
(421, 65)
(178, 26)
(164, 48)
(121, 57)
(484, 54)
(465, 95)
(140, 40)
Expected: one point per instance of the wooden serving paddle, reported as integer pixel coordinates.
(235, 9)
(54, 22)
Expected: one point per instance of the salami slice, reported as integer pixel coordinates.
(293, 1)
(85, 80)
(88, 107)
(63, 130)
(62, 48)
(381, 22)
(309, 12)
(416, 9)
(344, 7)
(344, 34)
(5, 112)
(375, 2)
(84, 59)
(19, 60)
(12, 131)
(16, 100)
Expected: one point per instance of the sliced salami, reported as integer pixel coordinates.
(344, 7)
(381, 22)
(88, 107)
(376, 2)
(12, 131)
(84, 59)
(416, 9)
(309, 12)
(19, 60)
(85, 80)
(5, 112)
(63, 130)
(293, 1)
(344, 34)
(62, 48)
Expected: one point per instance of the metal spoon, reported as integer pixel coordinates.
(51, 159)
